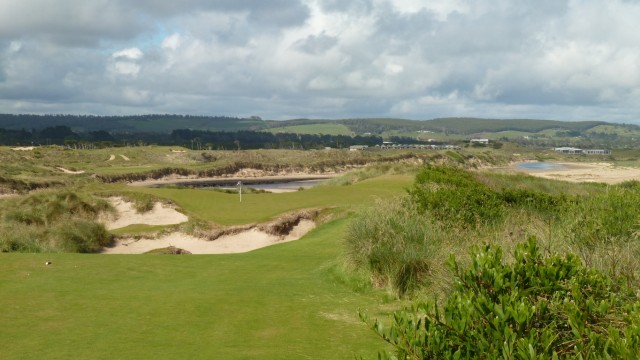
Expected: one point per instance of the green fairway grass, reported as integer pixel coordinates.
(275, 303)
(226, 209)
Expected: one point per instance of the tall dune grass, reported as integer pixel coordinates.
(50, 221)
(403, 244)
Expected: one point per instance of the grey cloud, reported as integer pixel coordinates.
(358, 58)
(316, 44)
(351, 7)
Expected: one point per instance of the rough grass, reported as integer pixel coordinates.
(454, 209)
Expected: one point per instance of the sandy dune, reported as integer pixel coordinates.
(591, 172)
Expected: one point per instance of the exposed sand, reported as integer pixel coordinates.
(124, 158)
(23, 148)
(111, 157)
(160, 215)
(254, 237)
(244, 241)
(586, 172)
(67, 171)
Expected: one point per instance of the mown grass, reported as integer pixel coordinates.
(274, 303)
(226, 209)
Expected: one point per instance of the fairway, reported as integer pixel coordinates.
(226, 209)
(280, 302)
(274, 303)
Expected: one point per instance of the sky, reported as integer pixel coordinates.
(283, 59)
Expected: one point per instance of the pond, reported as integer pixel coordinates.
(540, 166)
(272, 184)
(275, 187)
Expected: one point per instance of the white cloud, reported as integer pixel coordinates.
(131, 54)
(172, 42)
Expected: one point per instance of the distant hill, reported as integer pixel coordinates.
(165, 123)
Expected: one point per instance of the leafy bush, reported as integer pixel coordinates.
(454, 197)
(533, 308)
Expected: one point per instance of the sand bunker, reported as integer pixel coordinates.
(124, 158)
(592, 172)
(23, 148)
(111, 157)
(161, 214)
(241, 242)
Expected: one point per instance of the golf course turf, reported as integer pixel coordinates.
(279, 302)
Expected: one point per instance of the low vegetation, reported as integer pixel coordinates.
(535, 307)
(401, 245)
(52, 221)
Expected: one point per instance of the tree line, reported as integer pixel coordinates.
(192, 139)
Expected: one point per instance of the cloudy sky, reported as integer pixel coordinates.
(280, 59)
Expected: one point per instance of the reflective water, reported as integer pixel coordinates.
(540, 166)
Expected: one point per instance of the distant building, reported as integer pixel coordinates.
(572, 150)
(357, 147)
(479, 141)
(596, 152)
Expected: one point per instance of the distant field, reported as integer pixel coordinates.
(325, 129)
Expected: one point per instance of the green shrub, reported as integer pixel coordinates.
(455, 198)
(534, 308)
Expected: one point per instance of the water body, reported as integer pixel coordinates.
(540, 166)
(279, 186)
(274, 184)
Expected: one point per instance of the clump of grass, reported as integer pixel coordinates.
(53, 221)
(396, 247)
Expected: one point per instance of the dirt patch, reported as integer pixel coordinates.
(124, 158)
(111, 157)
(23, 148)
(161, 214)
